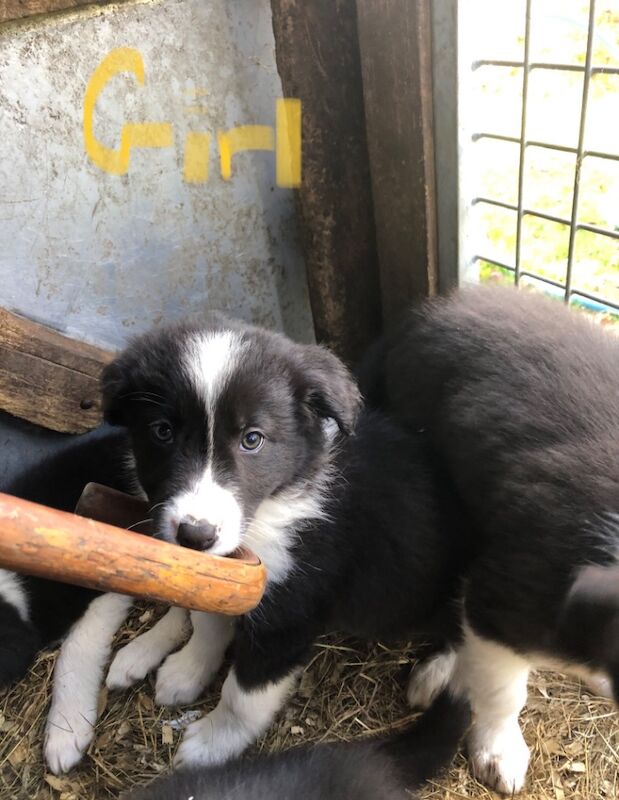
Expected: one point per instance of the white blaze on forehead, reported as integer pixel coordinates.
(211, 359)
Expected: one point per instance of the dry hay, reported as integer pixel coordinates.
(348, 691)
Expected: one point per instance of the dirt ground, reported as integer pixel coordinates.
(348, 691)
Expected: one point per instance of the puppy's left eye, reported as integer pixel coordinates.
(162, 432)
(252, 441)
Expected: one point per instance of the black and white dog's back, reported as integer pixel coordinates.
(380, 769)
(519, 397)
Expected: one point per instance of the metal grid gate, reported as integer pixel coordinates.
(588, 70)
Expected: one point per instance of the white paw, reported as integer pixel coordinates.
(429, 678)
(600, 685)
(66, 741)
(131, 664)
(210, 741)
(499, 758)
(182, 678)
(195, 749)
(127, 668)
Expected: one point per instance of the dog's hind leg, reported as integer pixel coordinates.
(494, 678)
(145, 653)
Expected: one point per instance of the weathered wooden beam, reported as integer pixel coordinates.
(18, 9)
(317, 52)
(395, 42)
(47, 378)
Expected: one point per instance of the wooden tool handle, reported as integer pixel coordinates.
(54, 544)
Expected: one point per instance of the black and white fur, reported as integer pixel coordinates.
(342, 507)
(519, 397)
(239, 436)
(379, 769)
(35, 612)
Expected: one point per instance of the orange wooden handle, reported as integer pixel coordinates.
(42, 541)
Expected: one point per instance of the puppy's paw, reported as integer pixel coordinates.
(196, 747)
(182, 678)
(131, 664)
(66, 741)
(600, 685)
(499, 758)
(429, 678)
(210, 741)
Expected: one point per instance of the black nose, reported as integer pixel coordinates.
(199, 535)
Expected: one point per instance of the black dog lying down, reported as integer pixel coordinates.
(519, 397)
(382, 769)
(36, 613)
(239, 436)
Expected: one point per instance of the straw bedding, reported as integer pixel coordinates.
(349, 690)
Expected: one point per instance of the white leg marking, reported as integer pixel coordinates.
(430, 678)
(134, 661)
(12, 591)
(495, 679)
(78, 676)
(237, 721)
(184, 675)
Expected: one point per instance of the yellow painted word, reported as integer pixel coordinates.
(285, 139)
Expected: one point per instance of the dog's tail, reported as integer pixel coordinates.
(430, 744)
(589, 623)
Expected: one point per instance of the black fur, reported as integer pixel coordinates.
(520, 399)
(589, 623)
(381, 769)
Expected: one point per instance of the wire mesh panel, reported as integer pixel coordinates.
(580, 93)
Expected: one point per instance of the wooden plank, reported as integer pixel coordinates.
(18, 9)
(47, 378)
(395, 43)
(317, 52)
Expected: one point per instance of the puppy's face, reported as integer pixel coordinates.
(222, 418)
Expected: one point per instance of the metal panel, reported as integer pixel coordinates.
(102, 256)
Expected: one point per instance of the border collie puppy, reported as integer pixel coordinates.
(242, 437)
(379, 769)
(519, 397)
(35, 613)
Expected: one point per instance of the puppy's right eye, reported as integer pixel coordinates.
(161, 432)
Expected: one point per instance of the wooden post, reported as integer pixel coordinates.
(317, 52)
(395, 42)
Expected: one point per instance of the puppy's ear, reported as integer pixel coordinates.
(329, 389)
(115, 385)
